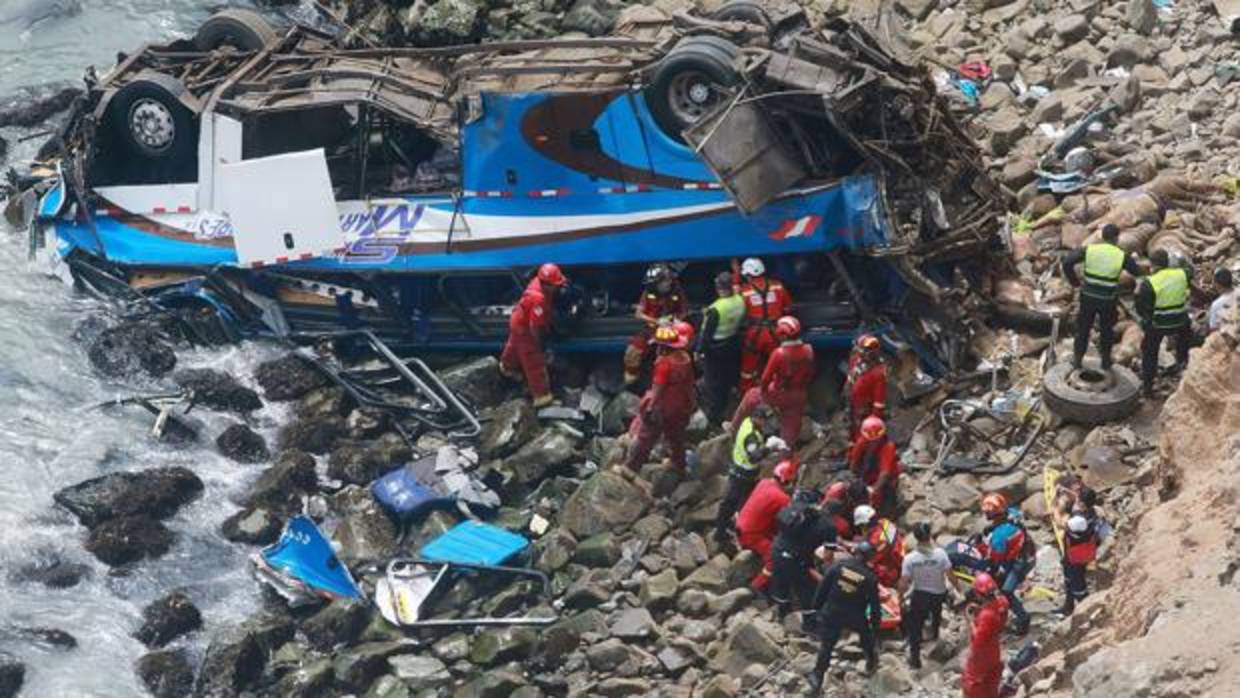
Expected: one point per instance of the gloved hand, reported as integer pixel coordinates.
(774, 443)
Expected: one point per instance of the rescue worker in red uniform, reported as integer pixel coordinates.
(839, 502)
(663, 301)
(758, 521)
(874, 460)
(983, 667)
(888, 542)
(766, 300)
(866, 384)
(785, 382)
(530, 321)
(666, 408)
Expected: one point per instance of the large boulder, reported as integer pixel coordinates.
(317, 435)
(52, 572)
(281, 486)
(339, 623)
(167, 619)
(552, 448)
(218, 390)
(361, 464)
(166, 673)
(478, 381)
(129, 539)
(605, 502)
(134, 347)
(365, 532)
(512, 425)
(235, 658)
(156, 493)
(750, 642)
(242, 444)
(12, 676)
(254, 525)
(289, 377)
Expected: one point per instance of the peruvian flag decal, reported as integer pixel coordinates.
(802, 227)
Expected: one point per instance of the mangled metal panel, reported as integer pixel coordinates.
(744, 151)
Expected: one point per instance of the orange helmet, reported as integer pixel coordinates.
(873, 428)
(551, 274)
(787, 327)
(868, 344)
(786, 471)
(666, 335)
(684, 334)
(993, 505)
(984, 584)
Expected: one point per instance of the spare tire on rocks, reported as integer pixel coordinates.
(244, 30)
(1090, 395)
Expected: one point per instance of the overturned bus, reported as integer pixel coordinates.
(283, 183)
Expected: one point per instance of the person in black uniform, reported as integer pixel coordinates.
(847, 599)
(803, 527)
(1103, 263)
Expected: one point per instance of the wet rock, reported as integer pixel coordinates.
(49, 638)
(615, 657)
(633, 624)
(602, 550)
(54, 573)
(720, 686)
(477, 381)
(502, 645)
(619, 688)
(167, 619)
(35, 105)
(280, 487)
(288, 378)
(338, 623)
(315, 678)
(156, 493)
(132, 348)
(419, 672)
(388, 686)
(242, 444)
(605, 502)
(365, 532)
(252, 526)
(12, 676)
(512, 425)
(618, 412)
(552, 448)
(129, 539)
(166, 673)
(710, 577)
(1141, 16)
(658, 591)
(323, 403)
(367, 423)
(750, 642)
(316, 436)
(356, 667)
(218, 390)
(563, 636)
(361, 464)
(235, 657)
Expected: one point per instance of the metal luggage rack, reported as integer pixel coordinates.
(434, 406)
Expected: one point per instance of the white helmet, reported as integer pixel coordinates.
(1078, 524)
(753, 267)
(863, 515)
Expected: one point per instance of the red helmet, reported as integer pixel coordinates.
(837, 491)
(786, 471)
(873, 428)
(984, 584)
(550, 274)
(684, 334)
(868, 344)
(994, 505)
(787, 327)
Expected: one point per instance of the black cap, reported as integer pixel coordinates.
(1110, 232)
(1160, 258)
(1222, 277)
(921, 531)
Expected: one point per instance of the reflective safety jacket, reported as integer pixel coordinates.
(1104, 263)
(1170, 288)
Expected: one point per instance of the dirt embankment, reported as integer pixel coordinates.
(1170, 624)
